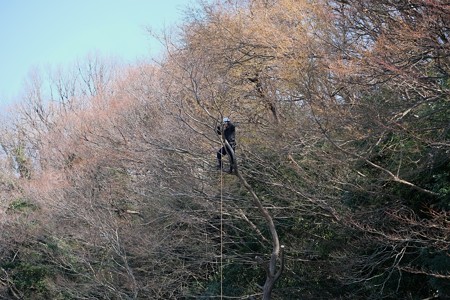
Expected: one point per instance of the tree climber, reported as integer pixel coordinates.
(227, 130)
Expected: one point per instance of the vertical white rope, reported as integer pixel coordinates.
(221, 215)
(221, 233)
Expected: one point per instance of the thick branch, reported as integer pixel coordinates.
(272, 273)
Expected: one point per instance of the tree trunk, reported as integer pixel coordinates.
(276, 263)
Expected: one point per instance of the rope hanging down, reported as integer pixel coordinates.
(221, 211)
(221, 234)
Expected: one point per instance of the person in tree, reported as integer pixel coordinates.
(227, 130)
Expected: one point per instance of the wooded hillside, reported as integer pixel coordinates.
(108, 186)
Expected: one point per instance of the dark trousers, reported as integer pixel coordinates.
(224, 151)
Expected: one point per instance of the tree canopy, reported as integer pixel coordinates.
(107, 181)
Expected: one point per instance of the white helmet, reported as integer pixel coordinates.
(225, 120)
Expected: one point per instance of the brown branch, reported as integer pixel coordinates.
(277, 254)
(394, 177)
(432, 274)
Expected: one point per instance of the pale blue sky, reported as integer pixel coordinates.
(39, 33)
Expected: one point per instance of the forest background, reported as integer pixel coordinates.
(107, 180)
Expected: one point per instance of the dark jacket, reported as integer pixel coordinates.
(229, 133)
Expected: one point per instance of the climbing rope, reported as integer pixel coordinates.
(221, 233)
